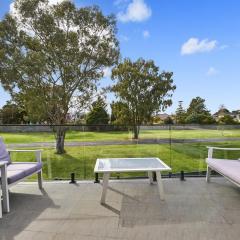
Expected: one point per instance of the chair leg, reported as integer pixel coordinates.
(40, 180)
(0, 204)
(5, 192)
(208, 176)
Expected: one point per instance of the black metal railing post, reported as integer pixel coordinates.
(72, 176)
(96, 178)
(182, 176)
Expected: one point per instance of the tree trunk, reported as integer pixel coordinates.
(60, 137)
(135, 132)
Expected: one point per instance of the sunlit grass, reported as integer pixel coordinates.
(119, 135)
(81, 160)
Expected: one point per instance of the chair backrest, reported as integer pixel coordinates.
(4, 155)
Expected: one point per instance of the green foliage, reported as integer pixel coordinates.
(52, 56)
(168, 120)
(141, 90)
(227, 119)
(120, 113)
(12, 114)
(180, 116)
(197, 113)
(98, 113)
(199, 118)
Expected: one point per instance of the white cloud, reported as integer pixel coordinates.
(54, 2)
(194, 45)
(51, 2)
(107, 72)
(212, 71)
(146, 34)
(42, 5)
(14, 12)
(101, 33)
(137, 11)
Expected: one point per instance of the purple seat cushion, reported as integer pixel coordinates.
(14, 176)
(4, 155)
(228, 168)
(28, 167)
(17, 171)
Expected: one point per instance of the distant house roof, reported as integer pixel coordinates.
(236, 112)
(162, 116)
(222, 112)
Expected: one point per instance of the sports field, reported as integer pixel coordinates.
(81, 159)
(120, 135)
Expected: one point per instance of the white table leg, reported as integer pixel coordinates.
(105, 186)
(150, 176)
(4, 185)
(160, 185)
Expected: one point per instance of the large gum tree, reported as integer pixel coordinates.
(52, 55)
(141, 90)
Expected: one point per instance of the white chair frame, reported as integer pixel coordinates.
(209, 169)
(4, 183)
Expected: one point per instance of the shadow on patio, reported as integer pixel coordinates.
(192, 210)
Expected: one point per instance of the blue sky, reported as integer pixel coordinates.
(199, 41)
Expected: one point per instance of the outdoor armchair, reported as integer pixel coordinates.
(14, 172)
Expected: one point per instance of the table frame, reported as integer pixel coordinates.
(150, 171)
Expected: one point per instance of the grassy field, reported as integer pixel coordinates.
(81, 160)
(118, 135)
(188, 157)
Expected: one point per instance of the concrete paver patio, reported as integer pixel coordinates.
(192, 210)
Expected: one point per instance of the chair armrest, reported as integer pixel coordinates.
(210, 150)
(219, 148)
(24, 150)
(38, 152)
(3, 163)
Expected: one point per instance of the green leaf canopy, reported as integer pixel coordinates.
(52, 56)
(141, 89)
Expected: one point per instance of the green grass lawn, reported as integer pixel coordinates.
(118, 135)
(81, 160)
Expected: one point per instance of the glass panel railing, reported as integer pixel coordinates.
(189, 144)
(182, 147)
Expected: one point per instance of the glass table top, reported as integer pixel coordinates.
(129, 164)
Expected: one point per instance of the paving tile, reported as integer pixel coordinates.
(192, 210)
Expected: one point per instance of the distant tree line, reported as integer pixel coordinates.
(197, 113)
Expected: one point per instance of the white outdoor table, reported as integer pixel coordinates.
(150, 165)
